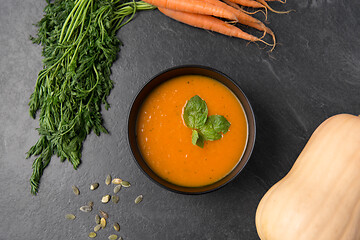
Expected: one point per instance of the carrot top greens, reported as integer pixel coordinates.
(79, 47)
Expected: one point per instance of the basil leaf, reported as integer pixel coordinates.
(209, 133)
(195, 112)
(214, 126)
(197, 139)
(219, 123)
(204, 128)
(194, 137)
(200, 141)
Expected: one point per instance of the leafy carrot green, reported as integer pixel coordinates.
(79, 47)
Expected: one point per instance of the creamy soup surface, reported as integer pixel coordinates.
(165, 141)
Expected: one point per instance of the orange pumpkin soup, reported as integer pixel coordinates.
(165, 141)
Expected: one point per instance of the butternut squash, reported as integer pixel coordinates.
(319, 199)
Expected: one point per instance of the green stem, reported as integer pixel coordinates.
(97, 81)
(80, 14)
(73, 125)
(68, 19)
(79, 43)
(74, 21)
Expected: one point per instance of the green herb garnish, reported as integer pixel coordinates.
(79, 45)
(195, 112)
(204, 128)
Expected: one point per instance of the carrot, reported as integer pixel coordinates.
(268, 7)
(234, 5)
(193, 6)
(282, 1)
(209, 23)
(238, 13)
(250, 3)
(245, 19)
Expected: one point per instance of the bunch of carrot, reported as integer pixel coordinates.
(206, 13)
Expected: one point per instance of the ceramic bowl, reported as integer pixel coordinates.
(167, 75)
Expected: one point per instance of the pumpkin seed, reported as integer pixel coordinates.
(108, 179)
(113, 237)
(97, 228)
(117, 188)
(97, 219)
(103, 223)
(75, 190)
(94, 186)
(85, 208)
(116, 181)
(116, 227)
(92, 235)
(70, 216)
(90, 204)
(105, 199)
(138, 199)
(104, 214)
(125, 184)
(115, 199)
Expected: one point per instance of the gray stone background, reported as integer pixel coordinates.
(312, 75)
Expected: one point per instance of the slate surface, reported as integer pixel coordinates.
(312, 75)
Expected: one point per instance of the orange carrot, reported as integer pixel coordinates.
(209, 23)
(245, 19)
(193, 6)
(282, 1)
(250, 3)
(234, 5)
(268, 7)
(236, 12)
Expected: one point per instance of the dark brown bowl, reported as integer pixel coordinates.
(190, 70)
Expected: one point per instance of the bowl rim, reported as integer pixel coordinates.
(251, 148)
